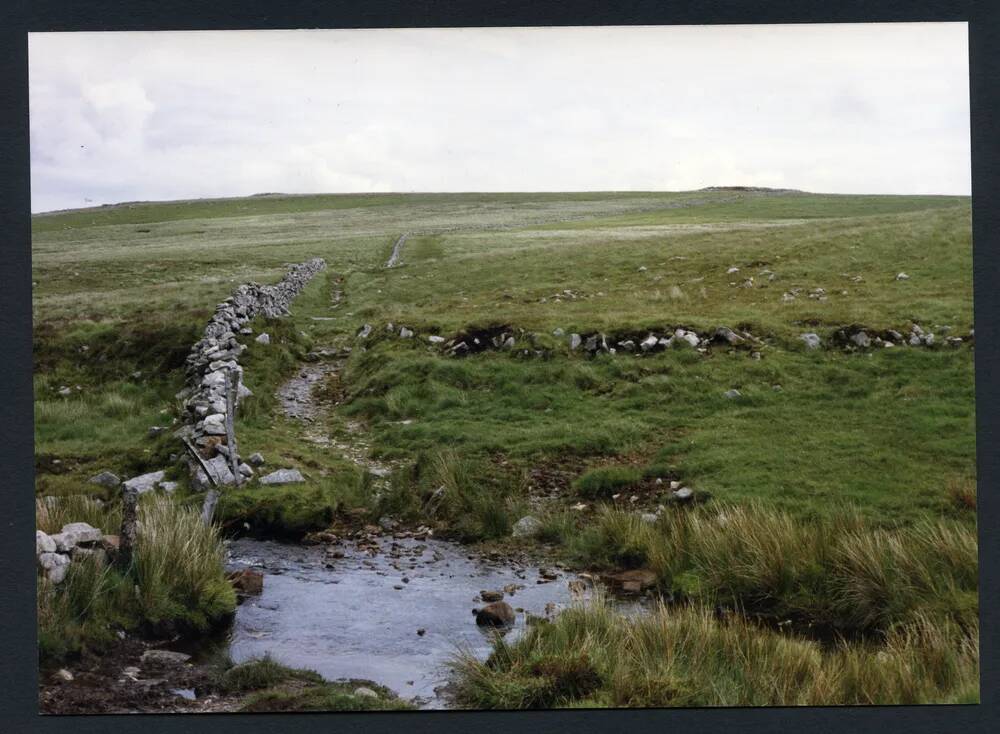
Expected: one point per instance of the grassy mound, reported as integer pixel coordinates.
(592, 656)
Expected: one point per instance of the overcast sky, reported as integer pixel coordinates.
(867, 108)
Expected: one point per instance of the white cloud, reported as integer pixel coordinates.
(156, 115)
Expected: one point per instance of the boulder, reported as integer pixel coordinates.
(724, 333)
(105, 479)
(283, 476)
(263, 338)
(365, 692)
(247, 581)
(495, 614)
(55, 565)
(812, 341)
(634, 580)
(691, 338)
(526, 527)
(144, 482)
(648, 343)
(256, 459)
(44, 543)
(82, 533)
(684, 494)
(861, 339)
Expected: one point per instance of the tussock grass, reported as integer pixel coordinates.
(254, 675)
(52, 513)
(843, 573)
(594, 656)
(178, 568)
(175, 585)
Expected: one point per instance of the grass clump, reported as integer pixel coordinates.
(592, 656)
(176, 583)
(840, 573)
(605, 481)
(266, 672)
(178, 568)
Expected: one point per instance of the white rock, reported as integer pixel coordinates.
(144, 482)
(83, 532)
(365, 692)
(405, 333)
(435, 339)
(526, 527)
(902, 276)
(648, 343)
(283, 476)
(732, 394)
(811, 340)
(44, 543)
(263, 338)
(575, 341)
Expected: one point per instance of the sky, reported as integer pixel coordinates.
(856, 108)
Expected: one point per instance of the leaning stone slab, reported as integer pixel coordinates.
(283, 476)
(144, 482)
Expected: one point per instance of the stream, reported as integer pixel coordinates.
(360, 615)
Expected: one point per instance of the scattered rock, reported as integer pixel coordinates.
(164, 658)
(43, 543)
(55, 565)
(496, 614)
(558, 331)
(575, 341)
(144, 482)
(633, 581)
(283, 476)
(155, 431)
(491, 596)
(421, 632)
(169, 487)
(902, 276)
(812, 341)
(256, 459)
(405, 333)
(105, 479)
(82, 532)
(434, 339)
(732, 394)
(861, 339)
(526, 527)
(365, 331)
(684, 494)
(365, 692)
(247, 581)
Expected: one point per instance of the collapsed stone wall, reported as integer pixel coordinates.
(218, 352)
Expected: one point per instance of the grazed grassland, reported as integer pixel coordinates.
(884, 436)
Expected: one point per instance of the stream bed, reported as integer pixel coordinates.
(392, 610)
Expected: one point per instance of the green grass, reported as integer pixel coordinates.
(849, 491)
(175, 585)
(592, 656)
(840, 573)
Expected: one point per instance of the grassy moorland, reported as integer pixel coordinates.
(850, 473)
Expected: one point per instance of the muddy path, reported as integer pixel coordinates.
(397, 249)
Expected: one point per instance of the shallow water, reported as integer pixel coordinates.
(346, 618)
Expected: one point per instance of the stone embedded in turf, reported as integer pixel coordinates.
(283, 476)
(106, 479)
(144, 482)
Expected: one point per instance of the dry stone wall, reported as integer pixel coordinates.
(218, 353)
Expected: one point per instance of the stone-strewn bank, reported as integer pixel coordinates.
(218, 352)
